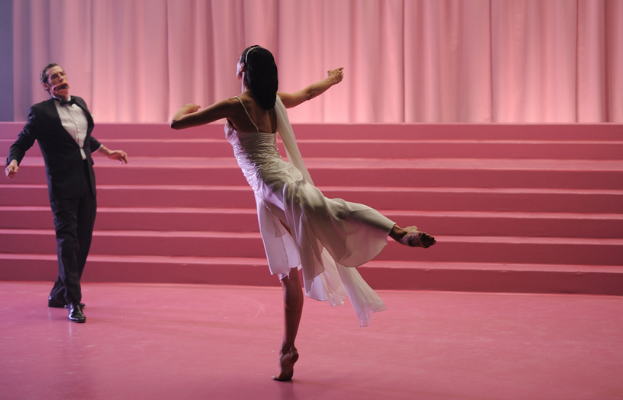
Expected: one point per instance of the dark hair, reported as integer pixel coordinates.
(44, 73)
(261, 75)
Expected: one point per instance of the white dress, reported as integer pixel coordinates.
(324, 237)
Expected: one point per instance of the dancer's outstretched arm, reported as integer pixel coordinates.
(290, 100)
(192, 115)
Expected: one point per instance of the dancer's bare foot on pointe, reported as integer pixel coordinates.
(287, 357)
(410, 236)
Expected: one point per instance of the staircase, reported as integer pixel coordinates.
(517, 208)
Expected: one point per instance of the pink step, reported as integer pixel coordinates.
(154, 269)
(374, 148)
(451, 173)
(478, 249)
(459, 223)
(434, 199)
(395, 275)
(104, 131)
(457, 131)
(495, 277)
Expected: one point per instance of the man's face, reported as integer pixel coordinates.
(57, 83)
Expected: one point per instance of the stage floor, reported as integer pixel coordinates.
(171, 341)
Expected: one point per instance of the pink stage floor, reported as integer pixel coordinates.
(174, 341)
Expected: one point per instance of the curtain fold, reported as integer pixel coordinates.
(432, 61)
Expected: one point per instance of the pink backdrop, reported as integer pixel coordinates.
(509, 61)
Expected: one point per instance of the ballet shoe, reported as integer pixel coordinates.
(287, 358)
(415, 238)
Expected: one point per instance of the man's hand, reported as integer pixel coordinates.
(11, 169)
(119, 155)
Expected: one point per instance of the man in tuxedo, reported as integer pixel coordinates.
(62, 125)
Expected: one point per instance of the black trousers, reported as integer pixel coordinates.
(73, 221)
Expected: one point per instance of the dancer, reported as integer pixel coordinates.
(300, 227)
(62, 125)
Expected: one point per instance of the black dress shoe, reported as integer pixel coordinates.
(60, 303)
(75, 313)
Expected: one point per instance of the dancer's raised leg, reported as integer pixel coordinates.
(293, 308)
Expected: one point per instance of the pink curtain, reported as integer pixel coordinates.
(450, 61)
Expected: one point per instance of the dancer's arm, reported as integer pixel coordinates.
(290, 100)
(192, 115)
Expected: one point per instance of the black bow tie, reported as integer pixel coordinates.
(66, 102)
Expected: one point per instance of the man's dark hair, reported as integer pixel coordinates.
(44, 73)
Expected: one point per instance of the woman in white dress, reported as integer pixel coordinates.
(300, 228)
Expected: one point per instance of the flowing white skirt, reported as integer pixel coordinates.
(301, 228)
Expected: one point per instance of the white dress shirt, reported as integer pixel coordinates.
(75, 122)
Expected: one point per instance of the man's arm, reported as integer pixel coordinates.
(290, 100)
(94, 144)
(25, 140)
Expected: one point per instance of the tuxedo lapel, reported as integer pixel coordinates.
(57, 126)
(52, 113)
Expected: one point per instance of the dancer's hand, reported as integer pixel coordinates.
(336, 75)
(11, 169)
